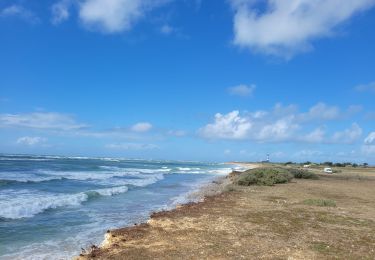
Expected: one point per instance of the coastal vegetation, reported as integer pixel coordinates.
(328, 163)
(269, 176)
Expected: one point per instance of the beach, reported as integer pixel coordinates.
(253, 222)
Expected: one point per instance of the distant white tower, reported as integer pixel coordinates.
(268, 158)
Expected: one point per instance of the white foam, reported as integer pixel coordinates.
(112, 191)
(25, 177)
(142, 180)
(23, 159)
(16, 204)
(81, 175)
(216, 171)
(152, 170)
(221, 171)
(188, 169)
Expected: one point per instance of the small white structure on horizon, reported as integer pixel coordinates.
(328, 170)
(306, 166)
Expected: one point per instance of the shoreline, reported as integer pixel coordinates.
(204, 195)
(195, 197)
(259, 222)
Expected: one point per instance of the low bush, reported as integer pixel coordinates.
(264, 176)
(303, 174)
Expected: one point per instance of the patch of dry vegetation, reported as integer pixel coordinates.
(320, 202)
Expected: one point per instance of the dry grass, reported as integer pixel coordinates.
(261, 222)
(320, 202)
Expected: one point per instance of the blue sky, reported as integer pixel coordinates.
(189, 80)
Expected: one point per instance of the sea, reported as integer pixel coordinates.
(53, 206)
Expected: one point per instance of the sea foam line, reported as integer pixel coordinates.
(26, 203)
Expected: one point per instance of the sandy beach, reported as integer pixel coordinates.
(236, 222)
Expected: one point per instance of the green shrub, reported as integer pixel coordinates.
(303, 174)
(264, 176)
(320, 202)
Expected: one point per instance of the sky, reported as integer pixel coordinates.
(200, 80)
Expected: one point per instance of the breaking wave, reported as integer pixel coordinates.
(27, 203)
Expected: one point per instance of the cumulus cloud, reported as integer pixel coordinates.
(283, 123)
(40, 120)
(229, 126)
(242, 90)
(113, 16)
(19, 12)
(281, 130)
(131, 146)
(316, 136)
(141, 127)
(287, 27)
(31, 141)
(322, 111)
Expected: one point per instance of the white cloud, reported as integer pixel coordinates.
(60, 11)
(20, 12)
(316, 136)
(370, 87)
(288, 27)
(281, 130)
(113, 16)
(282, 124)
(322, 111)
(242, 90)
(131, 146)
(229, 126)
(31, 141)
(348, 135)
(141, 127)
(40, 120)
(370, 139)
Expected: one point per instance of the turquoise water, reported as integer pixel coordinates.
(51, 207)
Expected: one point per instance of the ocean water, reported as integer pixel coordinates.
(51, 207)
